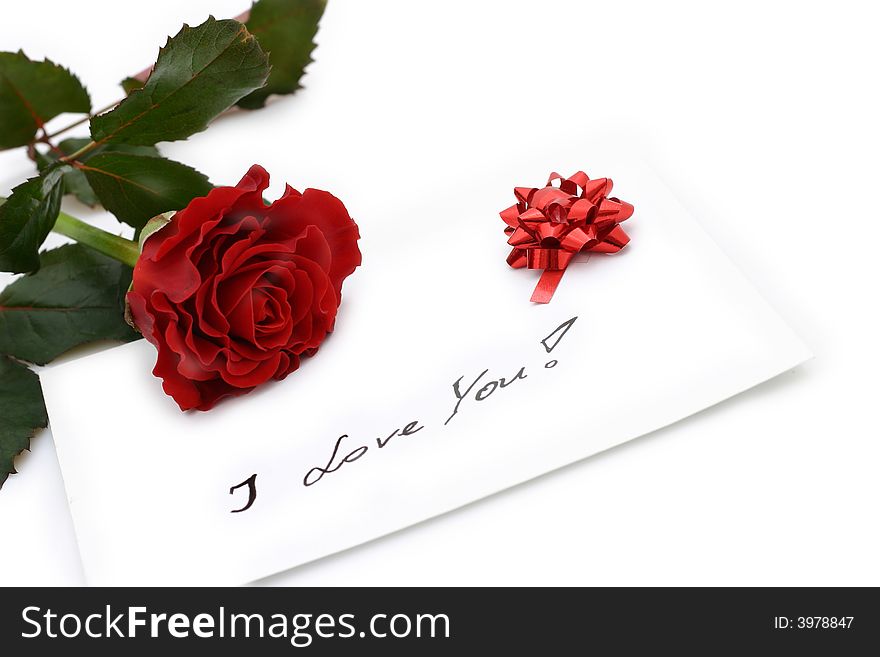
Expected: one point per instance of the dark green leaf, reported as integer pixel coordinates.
(200, 73)
(27, 218)
(22, 412)
(130, 84)
(286, 30)
(76, 297)
(136, 188)
(31, 93)
(75, 180)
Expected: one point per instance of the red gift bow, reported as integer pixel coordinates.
(548, 226)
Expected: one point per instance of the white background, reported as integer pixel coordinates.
(762, 118)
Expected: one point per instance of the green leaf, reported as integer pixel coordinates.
(286, 30)
(200, 73)
(154, 225)
(136, 188)
(75, 180)
(22, 412)
(27, 218)
(77, 296)
(130, 84)
(33, 92)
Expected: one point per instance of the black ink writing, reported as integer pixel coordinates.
(484, 392)
(352, 456)
(457, 391)
(555, 337)
(315, 475)
(479, 390)
(408, 430)
(251, 483)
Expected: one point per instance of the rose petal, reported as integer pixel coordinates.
(293, 215)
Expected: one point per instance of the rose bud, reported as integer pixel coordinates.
(233, 292)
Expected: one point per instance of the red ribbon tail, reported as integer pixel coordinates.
(547, 285)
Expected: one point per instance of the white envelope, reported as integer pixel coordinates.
(663, 329)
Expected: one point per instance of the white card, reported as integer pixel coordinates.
(663, 330)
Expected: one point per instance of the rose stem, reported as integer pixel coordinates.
(116, 247)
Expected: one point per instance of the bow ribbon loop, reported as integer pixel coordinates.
(548, 226)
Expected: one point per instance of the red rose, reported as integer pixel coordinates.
(233, 292)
